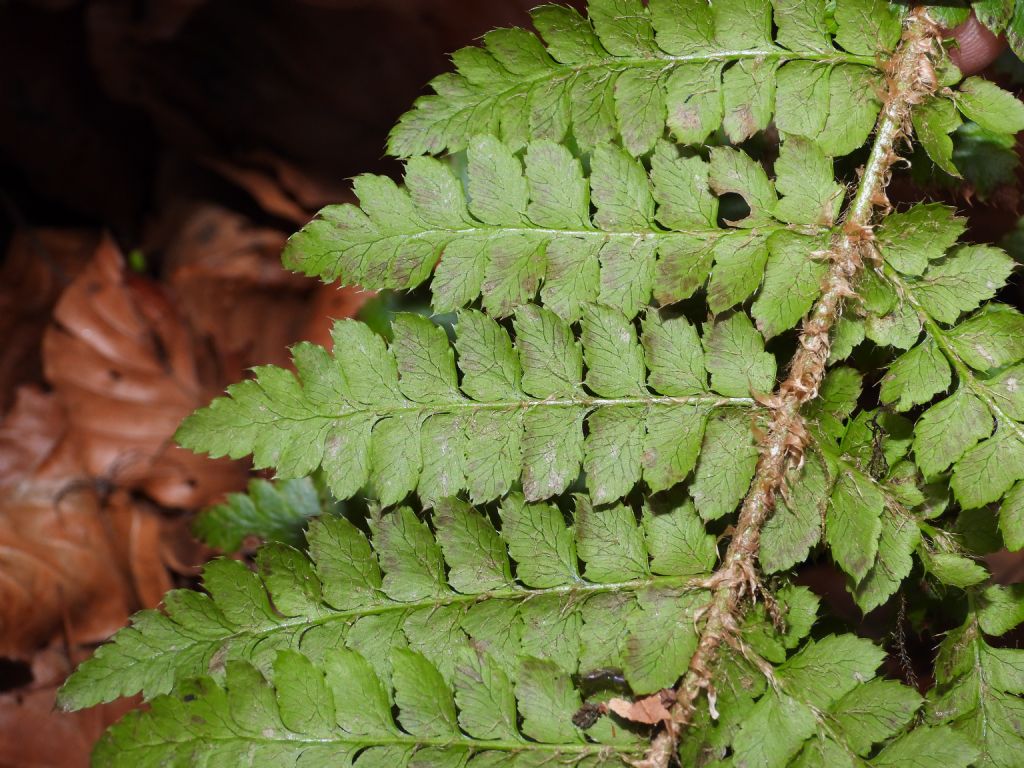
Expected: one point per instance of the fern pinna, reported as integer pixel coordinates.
(695, 347)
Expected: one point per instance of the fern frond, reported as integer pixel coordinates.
(271, 511)
(874, 503)
(870, 522)
(981, 101)
(528, 227)
(978, 429)
(399, 419)
(979, 687)
(487, 673)
(824, 708)
(633, 605)
(338, 713)
(629, 70)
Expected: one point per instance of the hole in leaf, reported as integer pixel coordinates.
(731, 207)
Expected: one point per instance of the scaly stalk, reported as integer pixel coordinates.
(911, 79)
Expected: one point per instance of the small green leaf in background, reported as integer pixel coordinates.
(271, 511)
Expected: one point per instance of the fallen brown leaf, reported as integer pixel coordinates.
(58, 572)
(227, 278)
(137, 527)
(650, 710)
(122, 361)
(327, 304)
(265, 189)
(34, 734)
(38, 264)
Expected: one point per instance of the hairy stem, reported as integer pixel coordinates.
(910, 80)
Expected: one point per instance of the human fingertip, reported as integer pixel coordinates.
(976, 47)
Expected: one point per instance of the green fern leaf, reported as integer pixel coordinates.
(933, 123)
(854, 523)
(528, 228)
(990, 106)
(796, 525)
(336, 708)
(336, 713)
(397, 419)
(980, 420)
(898, 536)
(983, 102)
(862, 488)
(929, 746)
(270, 511)
(810, 194)
(431, 590)
(954, 569)
(979, 692)
(910, 240)
(916, 377)
(629, 70)
(826, 708)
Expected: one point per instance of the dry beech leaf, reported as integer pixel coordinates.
(152, 546)
(58, 572)
(180, 551)
(650, 710)
(265, 190)
(37, 266)
(29, 433)
(122, 362)
(227, 278)
(280, 187)
(327, 304)
(34, 734)
(137, 527)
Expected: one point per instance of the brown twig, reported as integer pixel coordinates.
(911, 79)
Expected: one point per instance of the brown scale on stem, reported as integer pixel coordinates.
(735, 585)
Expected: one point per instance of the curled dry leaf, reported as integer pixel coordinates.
(57, 568)
(122, 362)
(137, 529)
(34, 734)
(227, 278)
(37, 266)
(649, 710)
(279, 187)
